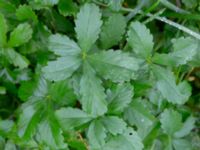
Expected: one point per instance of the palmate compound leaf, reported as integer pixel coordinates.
(93, 98)
(171, 121)
(98, 129)
(88, 25)
(62, 93)
(129, 140)
(37, 118)
(112, 30)
(166, 84)
(114, 65)
(119, 98)
(59, 92)
(30, 124)
(50, 133)
(72, 118)
(64, 66)
(184, 49)
(20, 35)
(140, 39)
(3, 31)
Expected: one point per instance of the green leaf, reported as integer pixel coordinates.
(182, 144)
(112, 30)
(47, 2)
(188, 125)
(10, 146)
(74, 77)
(166, 142)
(25, 12)
(64, 66)
(138, 114)
(6, 126)
(93, 96)
(41, 90)
(140, 39)
(28, 120)
(48, 130)
(67, 7)
(16, 58)
(2, 142)
(62, 94)
(114, 125)
(150, 138)
(156, 98)
(3, 31)
(77, 144)
(109, 64)
(70, 118)
(50, 133)
(184, 51)
(128, 141)
(20, 35)
(88, 25)
(185, 88)
(7, 8)
(176, 94)
(96, 134)
(171, 121)
(25, 90)
(164, 59)
(119, 98)
(2, 90)
(37, 118)
(190, 3)
(115, 5)
(63, 46)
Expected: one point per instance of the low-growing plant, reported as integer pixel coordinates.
(99, 75)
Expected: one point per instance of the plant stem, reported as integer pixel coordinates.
(154, 16)
(135, 11)
(149, 9)
(172, 23)
(173, 7)
(99, 3)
